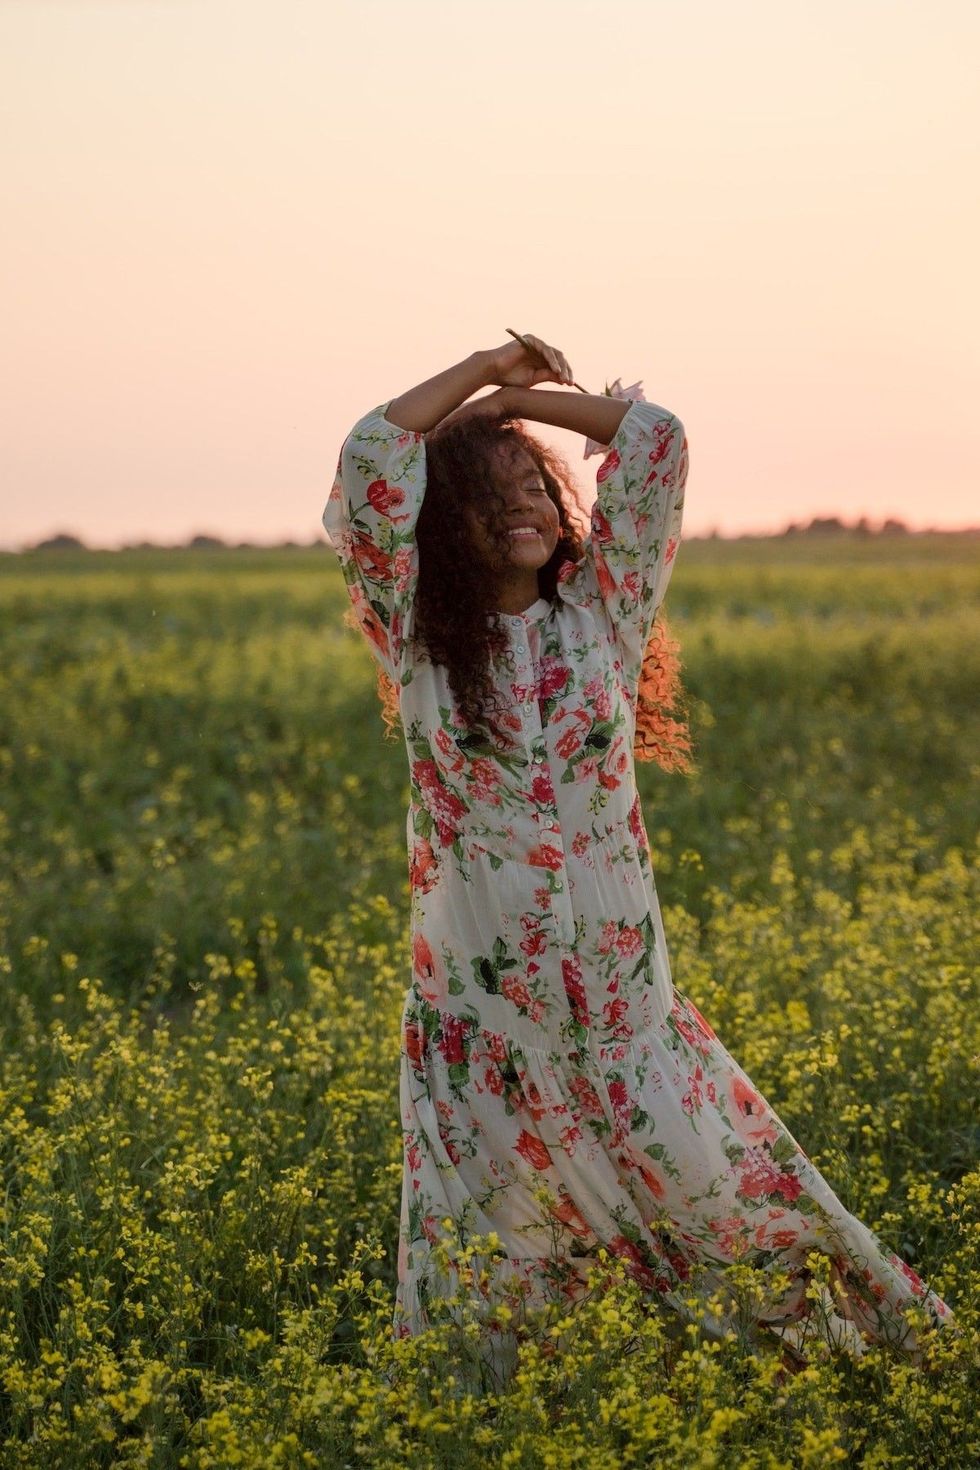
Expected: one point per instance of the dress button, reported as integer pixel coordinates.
(522, 648)
(529, 704)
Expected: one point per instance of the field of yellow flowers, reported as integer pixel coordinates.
(203, 913)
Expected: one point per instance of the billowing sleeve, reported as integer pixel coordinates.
(370, 518)
(636, 525)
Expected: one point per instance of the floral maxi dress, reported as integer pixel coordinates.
(556, 1089)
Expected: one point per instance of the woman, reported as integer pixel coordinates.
(556, 1090)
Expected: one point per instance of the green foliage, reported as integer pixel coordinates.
(203, 943)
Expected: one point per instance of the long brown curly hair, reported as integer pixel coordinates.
(455, 619)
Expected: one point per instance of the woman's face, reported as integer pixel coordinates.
(529, 514)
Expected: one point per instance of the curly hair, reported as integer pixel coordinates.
(456, 624)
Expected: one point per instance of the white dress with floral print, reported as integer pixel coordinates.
(556, 1089)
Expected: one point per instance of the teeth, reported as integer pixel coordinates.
(524, 531)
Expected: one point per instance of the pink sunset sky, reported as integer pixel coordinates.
(231, 227)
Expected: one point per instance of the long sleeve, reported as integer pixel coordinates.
(636, 525)
(370, 517)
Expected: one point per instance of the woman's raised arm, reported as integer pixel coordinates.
(421, 408)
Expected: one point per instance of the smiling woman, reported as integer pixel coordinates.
(556, 1090)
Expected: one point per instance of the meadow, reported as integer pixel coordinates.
(203, 944)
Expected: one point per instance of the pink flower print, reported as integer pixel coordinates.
(613, 1013)
(515, 990)
(602, 705)
(752, 1121)
(569, 1136)
(446, 808)
(542, 898)
(691, 1101)
(915, 1280)
(580, 844)
(631, 584)
(571, 974)
(484, 778)
(607, 937)
(671, 549)
(760, 1177)
(629, 941)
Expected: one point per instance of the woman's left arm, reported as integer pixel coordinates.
(593, 414)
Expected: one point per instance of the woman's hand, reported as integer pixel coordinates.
(491, 405)
(514, 366)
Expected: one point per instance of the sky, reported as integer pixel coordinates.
(232, 227)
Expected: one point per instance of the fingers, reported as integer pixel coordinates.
(557, 361)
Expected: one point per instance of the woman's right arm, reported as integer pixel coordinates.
(421, 408)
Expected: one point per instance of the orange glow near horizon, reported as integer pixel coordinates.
(233, 227)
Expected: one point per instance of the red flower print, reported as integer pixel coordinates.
(750, 1113)
(553, 677)
(542, 898)
(691, 1101)
(648, 1174)
(568, 743)
(609, 781)
(665, 434)
(425, 966)
(384, 497)
(702, 1023)
(636, 822)
(571, 974)
(918, 1286)
(493, 1080)
(534, 943)
(609, 465)
(371, 560)
(451, 1040)
(580, 844)
(414, 1038)
(586, 1096)
(605, 578)
(533, 1149)
(569, 1214)
(542, 789)
(612, 1014)
(544, 856)
(619, 1097)
(424, 868)
(631, 584)
(449, 1146)
(671, 549)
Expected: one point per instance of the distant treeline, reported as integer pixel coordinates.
(817, 526)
